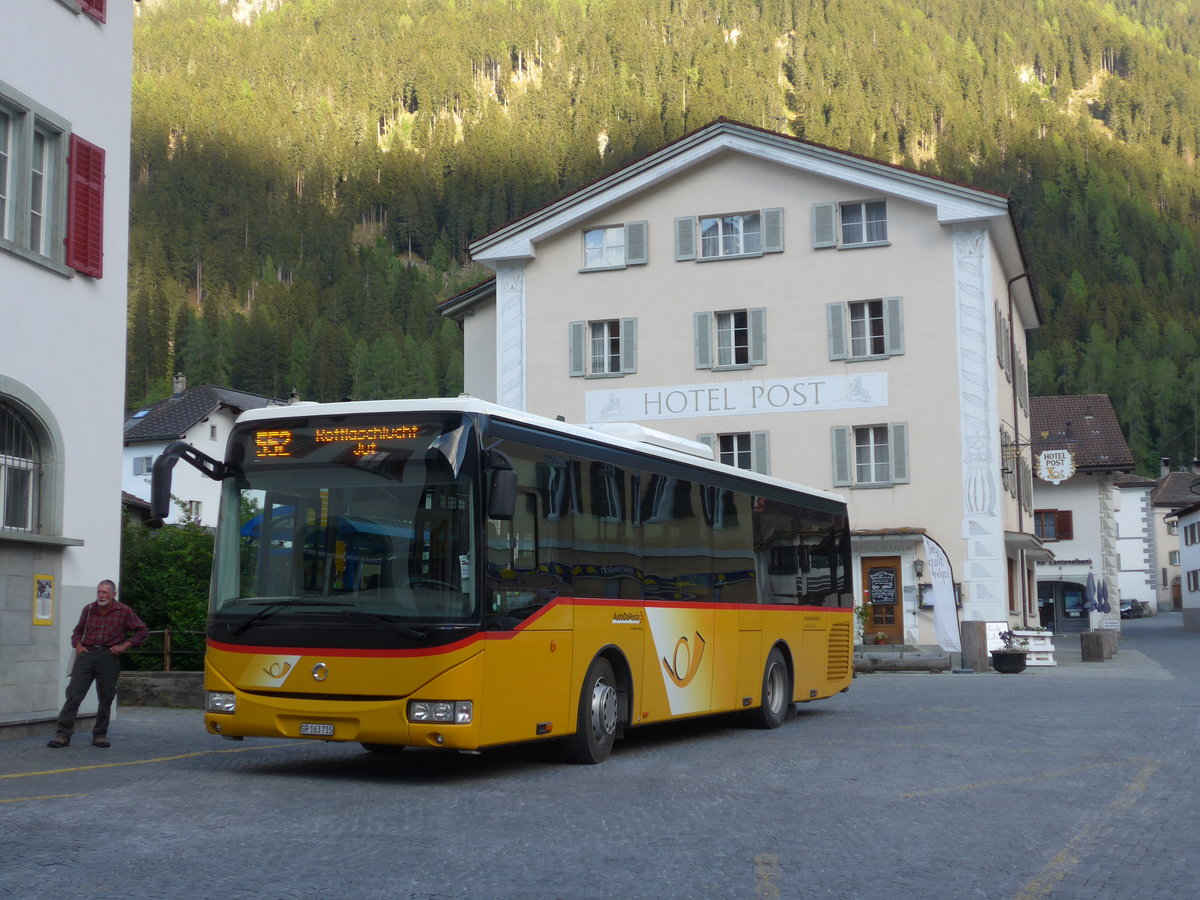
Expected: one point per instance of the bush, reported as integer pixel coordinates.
(164, 577)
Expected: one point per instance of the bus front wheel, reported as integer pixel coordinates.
(776, 694)
(596, 724)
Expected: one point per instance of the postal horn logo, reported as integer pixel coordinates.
(686, 661)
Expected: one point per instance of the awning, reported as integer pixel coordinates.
(1031, 544)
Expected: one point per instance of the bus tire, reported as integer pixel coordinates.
(776, 694)
(596, 723)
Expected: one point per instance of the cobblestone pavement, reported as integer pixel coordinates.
(1077, 781)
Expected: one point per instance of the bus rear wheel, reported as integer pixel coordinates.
(776, 694)
(596, 724)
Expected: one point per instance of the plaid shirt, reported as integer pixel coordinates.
(100, 628)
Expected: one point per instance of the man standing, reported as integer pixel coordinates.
(106, 629)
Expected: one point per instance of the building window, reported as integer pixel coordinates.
(142, 465)
(1193, 580)
(51, 202)
(20, 469)
(870, 455)
(603, 348)
(1173, 526)
(615, 246)
(729, 235)
(858, 224)
(732, 339)
(1054, 524)
(866, 329)
(94, 8)
(1173, 558)
(743, 450)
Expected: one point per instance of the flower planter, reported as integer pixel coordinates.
(1009, 661)
(1041, 647)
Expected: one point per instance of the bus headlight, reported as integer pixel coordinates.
(220, 702)
(456, 712)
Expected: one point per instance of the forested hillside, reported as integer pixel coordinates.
(307, 173)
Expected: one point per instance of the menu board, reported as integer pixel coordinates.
(882, 586)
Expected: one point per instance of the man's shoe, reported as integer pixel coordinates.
(100, 741)
(62, 740)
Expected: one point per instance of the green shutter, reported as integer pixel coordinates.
(840, 435)
(893, 322)
(703, 334)
(578, 348)
(898, 445)
(685, 238)
(760, 452)
(824, 225)
(636, 244)
(628, 346)
(772, 226)
(757, 319)
(710, 441)
(835, 314)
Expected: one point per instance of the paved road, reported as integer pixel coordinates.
(1073, 782)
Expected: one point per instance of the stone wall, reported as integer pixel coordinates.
(179, 689)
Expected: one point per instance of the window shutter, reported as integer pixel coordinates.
(757, 319)
(709, 441)
(824, 225)
(898, 445)
(636, 249)
(836, 315)
(94, 8)
(685, 238)
(841, 455)
(578, 348)
(703, 333)
(1064, 525)
(893, 320)
(628, 346)
(760, 452)
(772, 227)
(85, 207)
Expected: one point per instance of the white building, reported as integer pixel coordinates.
(1137, 576)
(203, 417)
(64, 209)
(1188, 521)
(1173, 492)
(831, 319)
(1078, 451)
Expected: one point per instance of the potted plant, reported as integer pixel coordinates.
(1011, 657)
(880, 637)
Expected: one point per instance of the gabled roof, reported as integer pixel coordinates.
(954, 202)
(1130, 480)
(170, 419)
(1175, 490)
(1086, 425)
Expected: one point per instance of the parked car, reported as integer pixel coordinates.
(1131, 609)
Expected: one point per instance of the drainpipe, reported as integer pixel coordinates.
(1012, 354)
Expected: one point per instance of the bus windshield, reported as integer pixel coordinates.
(348, 533)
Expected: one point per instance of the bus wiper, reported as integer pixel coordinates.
(405, 630)
(273, 605)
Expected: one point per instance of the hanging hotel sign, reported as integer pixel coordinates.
(738, 398)
(1055, 465)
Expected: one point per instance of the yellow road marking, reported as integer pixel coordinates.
(157, 759)
(43, 797)
(766, 874)
(1041, 885)
(1027, 779)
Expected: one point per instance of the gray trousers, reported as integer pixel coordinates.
(102, 667)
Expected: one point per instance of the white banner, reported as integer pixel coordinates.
(945, 615)
(738, 398)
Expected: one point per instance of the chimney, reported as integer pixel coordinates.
(293, 397)
(179, 384)
(1164, 467)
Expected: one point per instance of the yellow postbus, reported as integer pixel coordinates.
(454, 574)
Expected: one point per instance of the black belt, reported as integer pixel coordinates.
(97, 647)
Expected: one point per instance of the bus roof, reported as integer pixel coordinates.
(628, 436)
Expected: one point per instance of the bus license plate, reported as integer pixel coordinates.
(314, 728)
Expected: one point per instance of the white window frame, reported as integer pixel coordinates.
(856, 450)
(843, 317)
(1172, 557)
(18, 465)
(749, 450)
(33, 181)
(731, 235)
(143, 465)
(608, 247)
(850, 224)
(587, 357)
(731, 339)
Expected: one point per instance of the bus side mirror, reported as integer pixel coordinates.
(160, 488)
(502, 491)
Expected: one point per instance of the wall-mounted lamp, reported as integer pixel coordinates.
(918, 567)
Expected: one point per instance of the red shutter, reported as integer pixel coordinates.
(1065, 526)
(85, 207)
(94, 8)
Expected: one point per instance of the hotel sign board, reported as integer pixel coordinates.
(1055, 465)
(738, 398)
